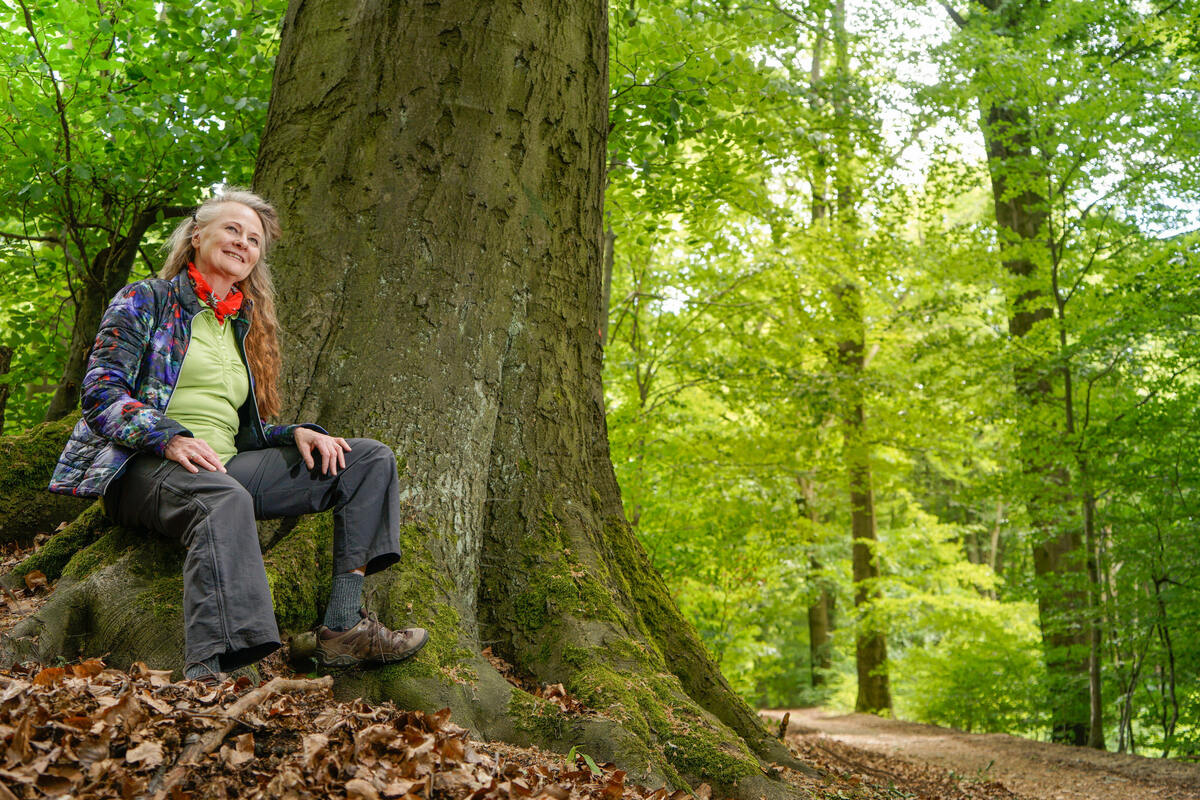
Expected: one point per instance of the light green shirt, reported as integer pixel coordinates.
(212, 385)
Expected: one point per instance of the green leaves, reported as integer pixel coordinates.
(114, 109)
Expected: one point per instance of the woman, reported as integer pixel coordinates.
(172, 437)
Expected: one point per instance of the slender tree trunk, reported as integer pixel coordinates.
(1094, 632)
(820, 633)
(107, 273)
(874, 693)
(6, 354)
(1057, 545)
(820, 612)
(1059, 564)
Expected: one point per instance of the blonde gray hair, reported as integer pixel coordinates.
(262, 343)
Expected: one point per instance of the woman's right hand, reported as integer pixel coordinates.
(193, 453)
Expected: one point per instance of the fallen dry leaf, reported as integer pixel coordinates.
(35, 580)
(147, 753)
(357, 787)
(49, 676)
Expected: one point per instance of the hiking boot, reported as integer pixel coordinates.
(368, 642)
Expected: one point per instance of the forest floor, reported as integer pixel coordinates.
(1027, 769)
(93, 733)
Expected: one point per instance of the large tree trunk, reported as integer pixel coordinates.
(439, 170)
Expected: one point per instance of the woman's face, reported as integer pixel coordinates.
(230, 245)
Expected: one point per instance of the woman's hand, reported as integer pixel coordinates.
(333, 449)
(192, 454)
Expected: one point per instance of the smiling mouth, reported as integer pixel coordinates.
(238, 256)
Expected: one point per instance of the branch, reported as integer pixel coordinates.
(959, 19)
(59, 103)
(196, 751)
(23, 238)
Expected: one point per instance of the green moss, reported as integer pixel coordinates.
(694, 748)
(26, 507)
(299, 572)
(163, 599)
(416, 593)
(542, 720)
(56, 554)
(654, 708)
(100, 553)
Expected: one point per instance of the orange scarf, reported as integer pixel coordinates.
(222, 308)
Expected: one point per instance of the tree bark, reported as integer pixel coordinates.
(1057, 557)
(870, 652)
(106, 274)
(820, 612)
(6, 354)
(439, 171)
(1059, 565)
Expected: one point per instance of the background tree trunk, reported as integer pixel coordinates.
(870, 651)
(1057, 546)
(6, 354)
(106, 274)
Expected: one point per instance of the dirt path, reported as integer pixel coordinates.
(1028, 769)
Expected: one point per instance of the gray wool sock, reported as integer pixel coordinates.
(198, 669)
(345, 598)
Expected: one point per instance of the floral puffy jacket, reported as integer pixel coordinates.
(131, 373)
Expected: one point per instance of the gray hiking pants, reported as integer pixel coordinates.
(227, 607)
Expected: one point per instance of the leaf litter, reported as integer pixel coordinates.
(86, 731)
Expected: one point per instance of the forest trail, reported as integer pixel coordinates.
(1028, 769)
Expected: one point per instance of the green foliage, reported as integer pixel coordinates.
(724, 400)
(111, 112)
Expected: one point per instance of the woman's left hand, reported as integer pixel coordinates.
(332, 449)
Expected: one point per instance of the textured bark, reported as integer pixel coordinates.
(6, 354)
(1057, 548)
(440, 169)
(106, 274)
(820, 634)
(1059, 563)
(820, 612)
(870, 651)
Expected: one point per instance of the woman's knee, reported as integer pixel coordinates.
(371, 450)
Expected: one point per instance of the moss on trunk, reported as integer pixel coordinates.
(26, 462)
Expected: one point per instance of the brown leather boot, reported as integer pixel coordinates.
(368, 642)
